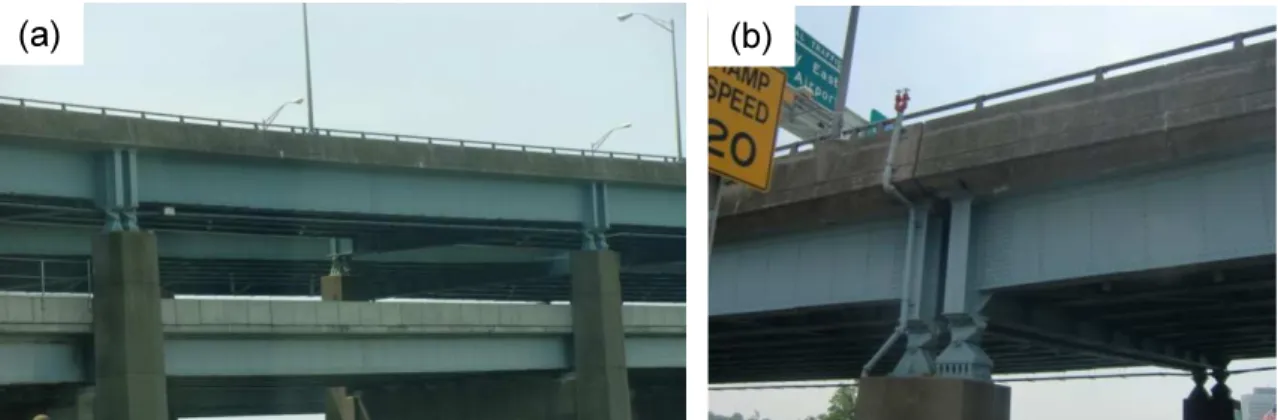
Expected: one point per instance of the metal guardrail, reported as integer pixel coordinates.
(1096, 74)
(364, 135)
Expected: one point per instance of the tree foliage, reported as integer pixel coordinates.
(842, 405)
(737, 416)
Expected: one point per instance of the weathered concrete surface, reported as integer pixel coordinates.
(1214, 105)
(890, 398)
(41, 126)
(326, 343)
(73, 315)
(602, 386)
(128, 336)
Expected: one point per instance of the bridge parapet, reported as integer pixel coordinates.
(73, 315)
(44, 123)
(1217, 104)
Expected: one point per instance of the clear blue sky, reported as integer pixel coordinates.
(555, 75)
(946, 54)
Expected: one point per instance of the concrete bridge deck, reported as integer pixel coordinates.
(44, 340)
(1200, 108)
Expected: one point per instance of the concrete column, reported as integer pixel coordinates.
(1222, 402)
(128, 336)
(1197, 405)
(894, 398)
(338, 404)
(599, 353)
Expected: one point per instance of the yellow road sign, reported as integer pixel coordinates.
(745, 108)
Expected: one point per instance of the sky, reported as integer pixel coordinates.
(552, 75)
(948, 54)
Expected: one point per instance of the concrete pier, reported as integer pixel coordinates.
(893, 398)
(599, 354)
(127, 330)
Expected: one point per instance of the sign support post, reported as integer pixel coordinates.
(845, 72)
(715, 183)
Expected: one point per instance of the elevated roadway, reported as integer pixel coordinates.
(43, 339)
(1124, 221)
(370, 193)
(237, 357)
(132, 206)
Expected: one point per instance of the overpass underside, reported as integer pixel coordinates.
(1173, 267)
(651, 272)
(1227, 308)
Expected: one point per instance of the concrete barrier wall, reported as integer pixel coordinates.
(72, 315)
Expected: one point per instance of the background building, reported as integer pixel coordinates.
(1257, 403)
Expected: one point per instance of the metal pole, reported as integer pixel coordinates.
(674, 64)
(310, 99)
(845, 72)
(906, 272)
(42, 288)
(715, 184)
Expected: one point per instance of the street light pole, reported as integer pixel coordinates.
(669, 26)
(845, 71)
(674, 65)
(310, 99)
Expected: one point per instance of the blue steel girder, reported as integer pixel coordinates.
(262, 187)
(971, 310)
(117, 188)
(1041, 322)
(595, 222)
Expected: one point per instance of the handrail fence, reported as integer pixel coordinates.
(364, 135)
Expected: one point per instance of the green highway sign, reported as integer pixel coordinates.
(816, 68)
(875, 118)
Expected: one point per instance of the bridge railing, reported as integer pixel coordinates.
(978, 102)
(366, 135)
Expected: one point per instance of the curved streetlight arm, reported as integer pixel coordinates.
(271, 118)
(595, 146)
(667, 25)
